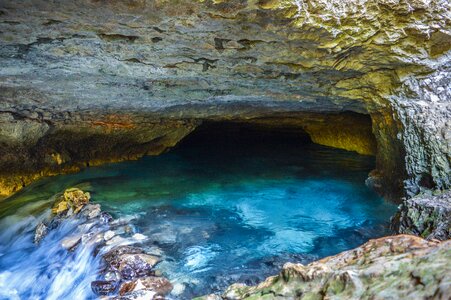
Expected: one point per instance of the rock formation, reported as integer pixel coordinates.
(398, 267)
(128, 271)
(426, 216)
(85, 82)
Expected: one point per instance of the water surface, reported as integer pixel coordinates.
(219, 210)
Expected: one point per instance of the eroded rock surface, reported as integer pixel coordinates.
(394, 267)
(426, 216)
(83, 80)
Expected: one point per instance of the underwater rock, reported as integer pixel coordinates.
(396, 267)
(427, 216)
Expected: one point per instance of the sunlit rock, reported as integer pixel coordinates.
(71, 202)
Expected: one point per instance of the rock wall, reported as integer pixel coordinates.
(427, 216)
(424, 109)
(42, 146)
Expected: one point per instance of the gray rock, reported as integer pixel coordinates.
(73, 73)
(70, 243)
(40, 233)
(427, 216)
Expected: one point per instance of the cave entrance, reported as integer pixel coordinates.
(347, 131)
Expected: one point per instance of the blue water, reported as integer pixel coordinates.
(222, 211)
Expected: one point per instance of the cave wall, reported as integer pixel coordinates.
(87, 69)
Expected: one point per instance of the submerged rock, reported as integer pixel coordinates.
(395, 267)
(426, 216)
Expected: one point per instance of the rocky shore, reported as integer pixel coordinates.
(394, 267)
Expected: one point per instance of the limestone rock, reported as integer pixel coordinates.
(426, 216)
(72, 201)
(396, 267)
(87, 82)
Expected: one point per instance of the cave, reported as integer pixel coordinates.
(239, 149)
(234, 200)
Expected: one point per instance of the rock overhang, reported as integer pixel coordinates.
(91, 61)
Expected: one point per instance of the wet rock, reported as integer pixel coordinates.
(70, 243)
(91, 211)
(108, 235)
(106, 217)
(112, 255)
(133, 269)
(135, 265)
(103, 287)
(40, 233)
(112, 276)
(161, 286)
(125, 266)
(427, 216)
(139, 295)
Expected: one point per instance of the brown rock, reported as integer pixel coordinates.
(160, 285)
(72, 200)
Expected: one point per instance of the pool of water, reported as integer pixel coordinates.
(219, 210)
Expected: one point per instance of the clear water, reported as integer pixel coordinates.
(220, 210)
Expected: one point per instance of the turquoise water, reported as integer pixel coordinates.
(224, 210)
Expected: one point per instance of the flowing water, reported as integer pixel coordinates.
(218, 210)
